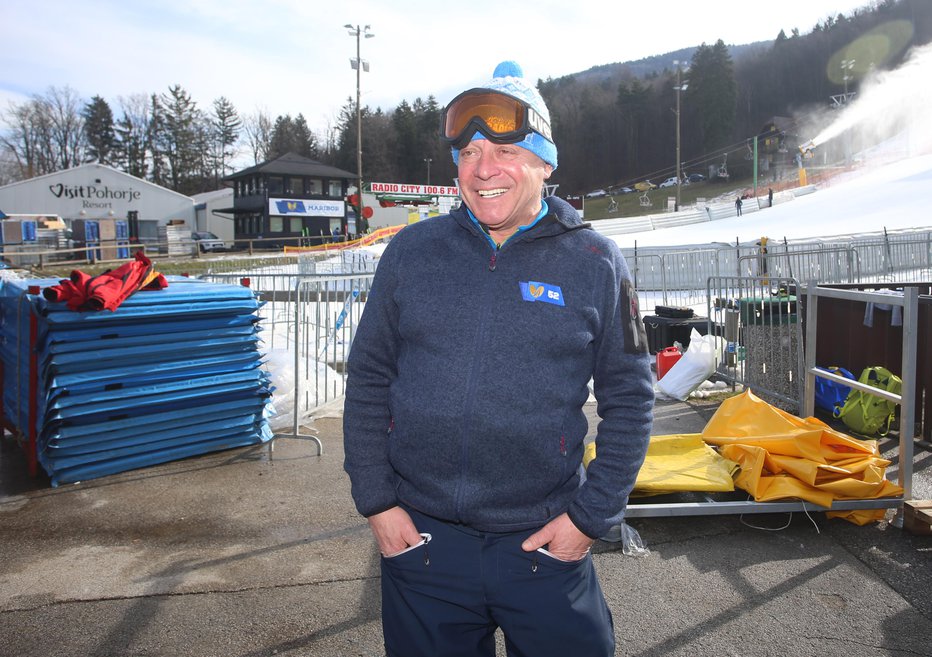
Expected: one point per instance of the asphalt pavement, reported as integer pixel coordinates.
(259, 552)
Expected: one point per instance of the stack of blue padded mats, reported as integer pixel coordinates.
(170, 374)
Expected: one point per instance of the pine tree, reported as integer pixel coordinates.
(225, 128)
(132, 144)
(99, 131)
(292, 135)
(712, 94)
(304, 138)
(180, 140)
(154, 138)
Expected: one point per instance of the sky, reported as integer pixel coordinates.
(293, 56)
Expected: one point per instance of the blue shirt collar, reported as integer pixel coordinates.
(544, 209)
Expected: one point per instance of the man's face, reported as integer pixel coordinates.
(501, 184)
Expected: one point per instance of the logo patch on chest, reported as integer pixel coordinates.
(534, 291)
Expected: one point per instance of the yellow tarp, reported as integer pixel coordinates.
(783, 456)
(777, 456)
(679, 463)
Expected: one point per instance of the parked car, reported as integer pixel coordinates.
(596, 193)
(644, 186)
(669, 182)
(621, 190)
(695, 177)
(207, 241)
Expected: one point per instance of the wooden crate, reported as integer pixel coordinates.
(917, 517)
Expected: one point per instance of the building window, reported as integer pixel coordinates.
(294, 186)
(314, 186)
(276, 224)
(336, 189)
(276, 185)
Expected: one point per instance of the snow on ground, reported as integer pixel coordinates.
(894, 196)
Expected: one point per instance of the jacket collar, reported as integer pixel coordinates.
(560, 218)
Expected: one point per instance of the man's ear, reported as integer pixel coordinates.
(549, 169)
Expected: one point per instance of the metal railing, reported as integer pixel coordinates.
(678, 276)
(308, 322)
(909, 301)
(760, 322)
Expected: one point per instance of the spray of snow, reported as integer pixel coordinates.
(889, 103)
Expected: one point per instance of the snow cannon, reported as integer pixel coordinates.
(806, 149)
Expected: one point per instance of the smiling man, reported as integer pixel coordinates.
(463, 423)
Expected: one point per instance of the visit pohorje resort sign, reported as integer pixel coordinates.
(95, 197)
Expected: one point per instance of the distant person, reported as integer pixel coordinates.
(463, 421)
(738, 203)
(770, 197)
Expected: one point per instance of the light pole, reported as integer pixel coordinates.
(846, 66)
(359, 64)
(681, 85)
(428, 160)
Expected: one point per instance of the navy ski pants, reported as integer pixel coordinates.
(446, 598)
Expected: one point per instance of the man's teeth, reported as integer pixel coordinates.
(488, 193)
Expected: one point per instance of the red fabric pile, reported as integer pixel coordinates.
(108, 290)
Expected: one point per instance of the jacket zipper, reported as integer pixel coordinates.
(460, 493)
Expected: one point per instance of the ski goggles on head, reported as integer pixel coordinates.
(501, 118)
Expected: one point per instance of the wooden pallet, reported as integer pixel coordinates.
(917, 517)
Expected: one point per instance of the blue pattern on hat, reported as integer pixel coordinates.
(508, 79)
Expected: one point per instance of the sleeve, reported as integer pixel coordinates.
(371, 369)
(623, 388)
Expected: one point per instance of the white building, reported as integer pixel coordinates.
(207, 213)
(96, 191)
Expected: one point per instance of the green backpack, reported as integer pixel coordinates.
(869, 414)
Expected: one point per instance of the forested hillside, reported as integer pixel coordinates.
(615, 124)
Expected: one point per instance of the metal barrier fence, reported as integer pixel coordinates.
(828, 265)
(760, 322)
(678, 276)
(310, 309)
(308, 322)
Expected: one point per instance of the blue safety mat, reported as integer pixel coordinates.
(169, 374)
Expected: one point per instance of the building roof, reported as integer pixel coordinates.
(206, 197)
(292, 164)
(93, 168)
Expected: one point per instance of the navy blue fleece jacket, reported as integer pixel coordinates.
(470, 367)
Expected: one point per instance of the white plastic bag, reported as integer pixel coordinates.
(694, 367)
(632, 545)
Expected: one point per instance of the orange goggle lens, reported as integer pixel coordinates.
(501, 114)
(498, 116)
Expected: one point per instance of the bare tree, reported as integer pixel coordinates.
(9, 169)
(66, 125)
(20, 141)
(45, 134)
(257, 131)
